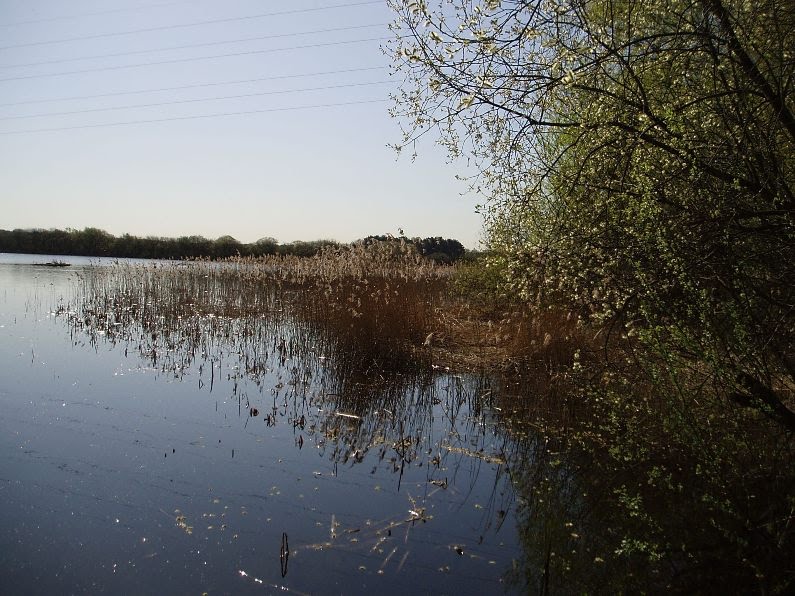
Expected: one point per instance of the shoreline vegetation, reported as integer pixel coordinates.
(635, 161)
(455, 316)
(646, 481)
(381, 296)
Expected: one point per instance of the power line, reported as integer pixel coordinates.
(194, 45)
(196, 100)
(193, 86)
(196, 117)
(94, 14)
(194, 24)
(195, 58)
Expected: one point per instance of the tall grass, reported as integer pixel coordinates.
(377, 303)
(333, 343)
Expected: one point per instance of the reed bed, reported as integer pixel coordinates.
(379, 301)
(382, 303)
(298, 341)
(375, 303)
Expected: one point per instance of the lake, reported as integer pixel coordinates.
(234, 455)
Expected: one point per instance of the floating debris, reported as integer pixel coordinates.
(344, 415)
(491, 458)
(182, 523)
(53, 263)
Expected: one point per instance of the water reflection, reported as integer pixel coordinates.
(182, 430)
(186, 441)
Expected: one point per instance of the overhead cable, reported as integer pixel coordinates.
(195, 100)
(94, 14)
(193, 86)
(194, 24)
(196, 117)
(193, 59)
(194, 45)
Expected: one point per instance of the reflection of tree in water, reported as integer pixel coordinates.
(565, 528)
(622, 507)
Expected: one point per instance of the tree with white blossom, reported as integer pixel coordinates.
(637, 159)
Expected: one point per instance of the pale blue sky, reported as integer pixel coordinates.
(294, 174)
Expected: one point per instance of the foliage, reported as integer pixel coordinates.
(479, 280)
(639, 160)
(638, 163)
(94, 242)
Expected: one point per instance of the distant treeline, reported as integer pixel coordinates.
(93, 242)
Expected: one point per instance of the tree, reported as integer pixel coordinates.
(638, 160)
(191, 247)
(226, 246)
(265, 246)
(93, 241)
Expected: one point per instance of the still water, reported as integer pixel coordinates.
(235, 462)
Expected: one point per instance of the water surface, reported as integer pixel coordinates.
(235, 457)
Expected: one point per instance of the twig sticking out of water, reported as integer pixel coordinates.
(284, 554)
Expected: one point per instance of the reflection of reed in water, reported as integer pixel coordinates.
(284, 367)
(249, 321)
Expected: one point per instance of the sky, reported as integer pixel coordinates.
(251, 118)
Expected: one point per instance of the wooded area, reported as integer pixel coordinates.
(93, 242)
